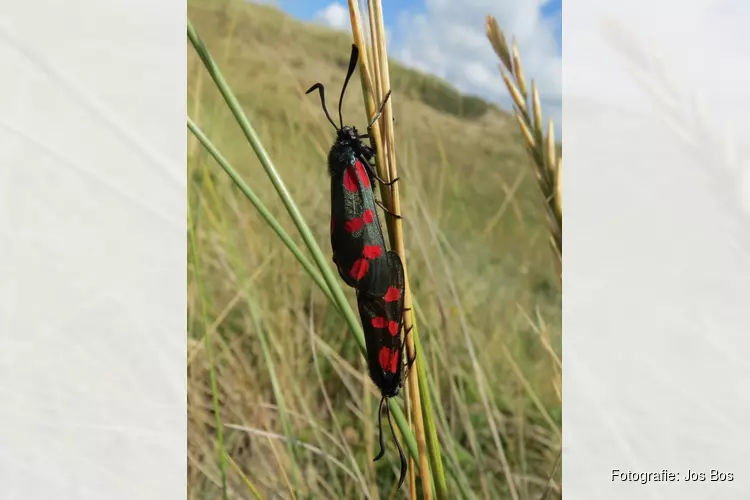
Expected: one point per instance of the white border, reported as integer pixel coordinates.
(92, 250)
(656, 287)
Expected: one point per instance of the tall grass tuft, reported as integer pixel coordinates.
(331, 280)
(280, 404)
(543, 153)
(542, 150)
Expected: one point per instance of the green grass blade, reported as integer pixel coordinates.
(433, 445)
(450, 444)
(276, 387)
(245, 480)
(209, 354)
(258, 204)
(330, 278)
(278, 183)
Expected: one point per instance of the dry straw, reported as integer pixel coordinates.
(543, 151)
(374, 69)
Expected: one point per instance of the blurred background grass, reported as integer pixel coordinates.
(473, 215)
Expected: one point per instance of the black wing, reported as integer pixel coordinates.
(382, 319)
(357, 240)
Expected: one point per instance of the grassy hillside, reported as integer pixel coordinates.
(286, 365)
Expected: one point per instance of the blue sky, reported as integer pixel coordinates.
(306, 10)
(553, 10)
(446, 38)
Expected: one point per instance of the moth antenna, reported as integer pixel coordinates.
(321, 90)
(352, 65)
(400, 451)
(380, 430)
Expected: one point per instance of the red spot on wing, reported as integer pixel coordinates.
(394, 362)
(393, 328)
(372, 251)
(368, 216)
(385, 358)
(362, 173)
(354, 225)
(393, 294)
(350, 180)
(359, 269)
(379, 322)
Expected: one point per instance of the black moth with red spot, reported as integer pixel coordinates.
(382, 320)
(360, 255)
(356, 236)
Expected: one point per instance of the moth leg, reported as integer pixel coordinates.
(371, 171)
(380, 204)
(409, 361)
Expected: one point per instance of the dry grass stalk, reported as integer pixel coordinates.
(384, 139)
(389, 171)
(543, 151)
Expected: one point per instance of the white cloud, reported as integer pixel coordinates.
(448, 39)
(336, 16)
(479, 75)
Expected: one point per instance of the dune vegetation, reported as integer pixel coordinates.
(297, 406)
